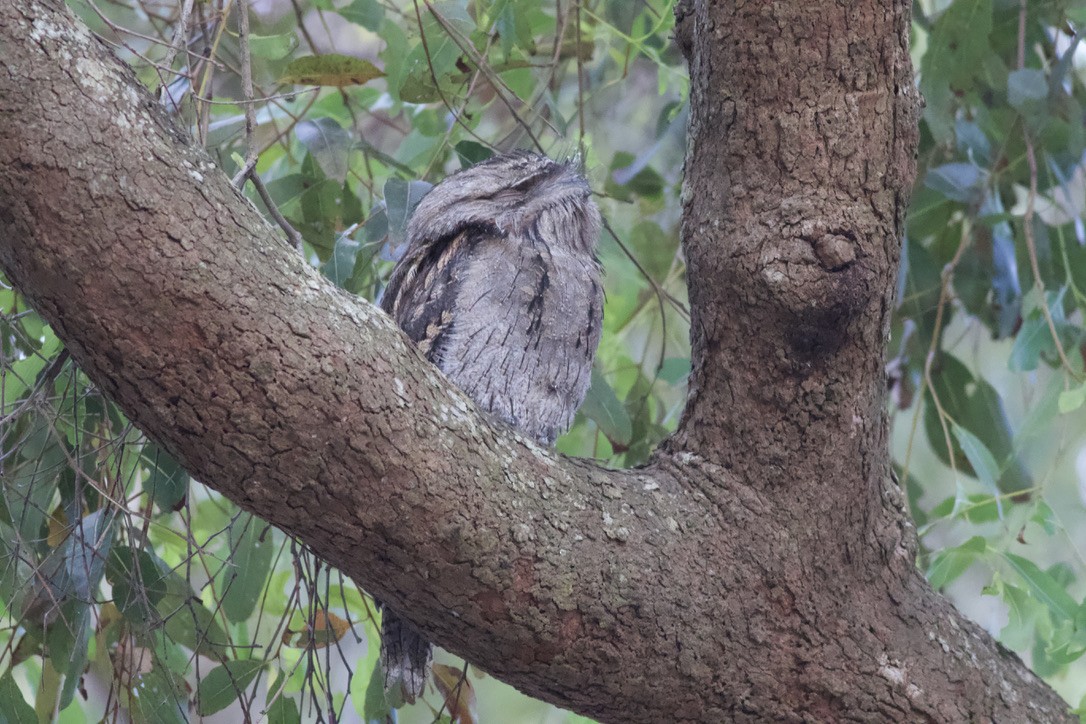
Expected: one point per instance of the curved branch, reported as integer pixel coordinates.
(685, 591)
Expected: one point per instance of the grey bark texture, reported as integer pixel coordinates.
(760, 568)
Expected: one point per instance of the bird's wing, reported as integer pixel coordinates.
(422, 290)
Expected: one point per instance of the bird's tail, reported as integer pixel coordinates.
(405, 659)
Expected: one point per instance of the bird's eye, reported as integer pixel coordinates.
(524, 185)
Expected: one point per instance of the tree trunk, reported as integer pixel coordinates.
(761, 567)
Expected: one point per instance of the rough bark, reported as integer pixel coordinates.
(760, 568)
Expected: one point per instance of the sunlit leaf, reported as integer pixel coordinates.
(326, 628)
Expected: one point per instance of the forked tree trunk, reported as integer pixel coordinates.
(760, 568)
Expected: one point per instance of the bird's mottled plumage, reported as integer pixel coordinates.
(500, 288)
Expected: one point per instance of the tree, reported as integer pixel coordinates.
(760, 566)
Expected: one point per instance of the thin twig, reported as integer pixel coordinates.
(180, 39)
(1027, 219)
(660, 292)
(247, 91)
(580, 79)
(293, 236)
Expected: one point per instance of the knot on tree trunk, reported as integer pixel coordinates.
(813, 273)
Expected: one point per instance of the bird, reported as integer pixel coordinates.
(500, 287)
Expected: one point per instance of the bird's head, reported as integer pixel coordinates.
(514, 193)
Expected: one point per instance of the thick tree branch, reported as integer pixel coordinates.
(748, 574)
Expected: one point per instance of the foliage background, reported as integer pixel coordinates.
(129, 590)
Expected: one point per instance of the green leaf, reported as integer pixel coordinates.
(1034, 341)
(654, 248)
(975, 405)
(192, 625)
(282, 709)
(973, 141)
(158, 698)
(350, 265)
(472, 152)
(83, 554)
(367, 13)
(956, 50)
(401, 198)
(330, 69)
(980, 457)
(1023, 612)
(138, 580)
(222, 685)
(1027, 85)
(13, 707)
(630, 175)
(168, 483)
(950, 563)
(339, 268)
(273, 47)
(674, 369)
(437, 59)
(1046, 518)
(375, 706)
(30, 485)
(958, 181)
(17, 574)
(329, 144)
(247, 568)
(603, 407)
(920, 284)
(1071, 400)
(1043, 587)
(1007, 292)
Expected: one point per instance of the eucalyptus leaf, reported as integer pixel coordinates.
(330, 69)
(223, 684)
(1043, 587)
(367, 13)
(603, 407)
(13, 706)
(950, 563)
(247, 568)
(401, 198)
